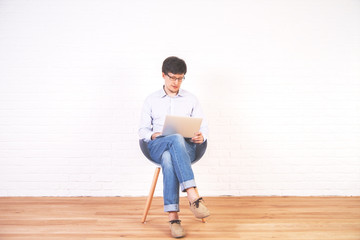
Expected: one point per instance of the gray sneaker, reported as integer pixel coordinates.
(199, 209)
(177, 231)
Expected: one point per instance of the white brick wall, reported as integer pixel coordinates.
(278, 80)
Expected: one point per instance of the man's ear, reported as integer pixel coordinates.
(163, 75)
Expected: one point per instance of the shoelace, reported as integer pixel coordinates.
(175, 221)
(197, 202)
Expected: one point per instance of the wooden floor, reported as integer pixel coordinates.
(55, 218)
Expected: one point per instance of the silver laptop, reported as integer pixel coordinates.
(186, 126)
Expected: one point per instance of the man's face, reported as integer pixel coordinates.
(173, 82)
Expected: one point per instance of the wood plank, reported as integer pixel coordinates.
(94, 218)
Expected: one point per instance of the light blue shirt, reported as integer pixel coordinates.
(159, 104)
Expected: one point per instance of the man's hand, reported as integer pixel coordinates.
(155, 135)
(198, 138)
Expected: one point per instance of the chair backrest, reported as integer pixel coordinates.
(144, 149)
(199, 152)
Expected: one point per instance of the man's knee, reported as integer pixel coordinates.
(177, 138)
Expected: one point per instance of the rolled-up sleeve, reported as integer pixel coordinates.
(198, 112)
(145, 127)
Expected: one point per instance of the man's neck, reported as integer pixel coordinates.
(169, 93)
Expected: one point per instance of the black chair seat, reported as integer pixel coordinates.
(200, 150)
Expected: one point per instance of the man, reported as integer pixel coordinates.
(174, 152)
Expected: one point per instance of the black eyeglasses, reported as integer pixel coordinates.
(180, 79)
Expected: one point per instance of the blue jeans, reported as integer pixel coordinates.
(175, 156)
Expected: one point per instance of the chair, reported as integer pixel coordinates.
(199, 152)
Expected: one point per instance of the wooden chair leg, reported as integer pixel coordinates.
(197, 192)
(151, 194)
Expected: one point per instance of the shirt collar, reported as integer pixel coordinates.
(162, 93)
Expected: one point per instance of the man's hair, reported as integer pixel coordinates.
(174, 65)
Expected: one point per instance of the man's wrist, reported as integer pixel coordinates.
(154, 135)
